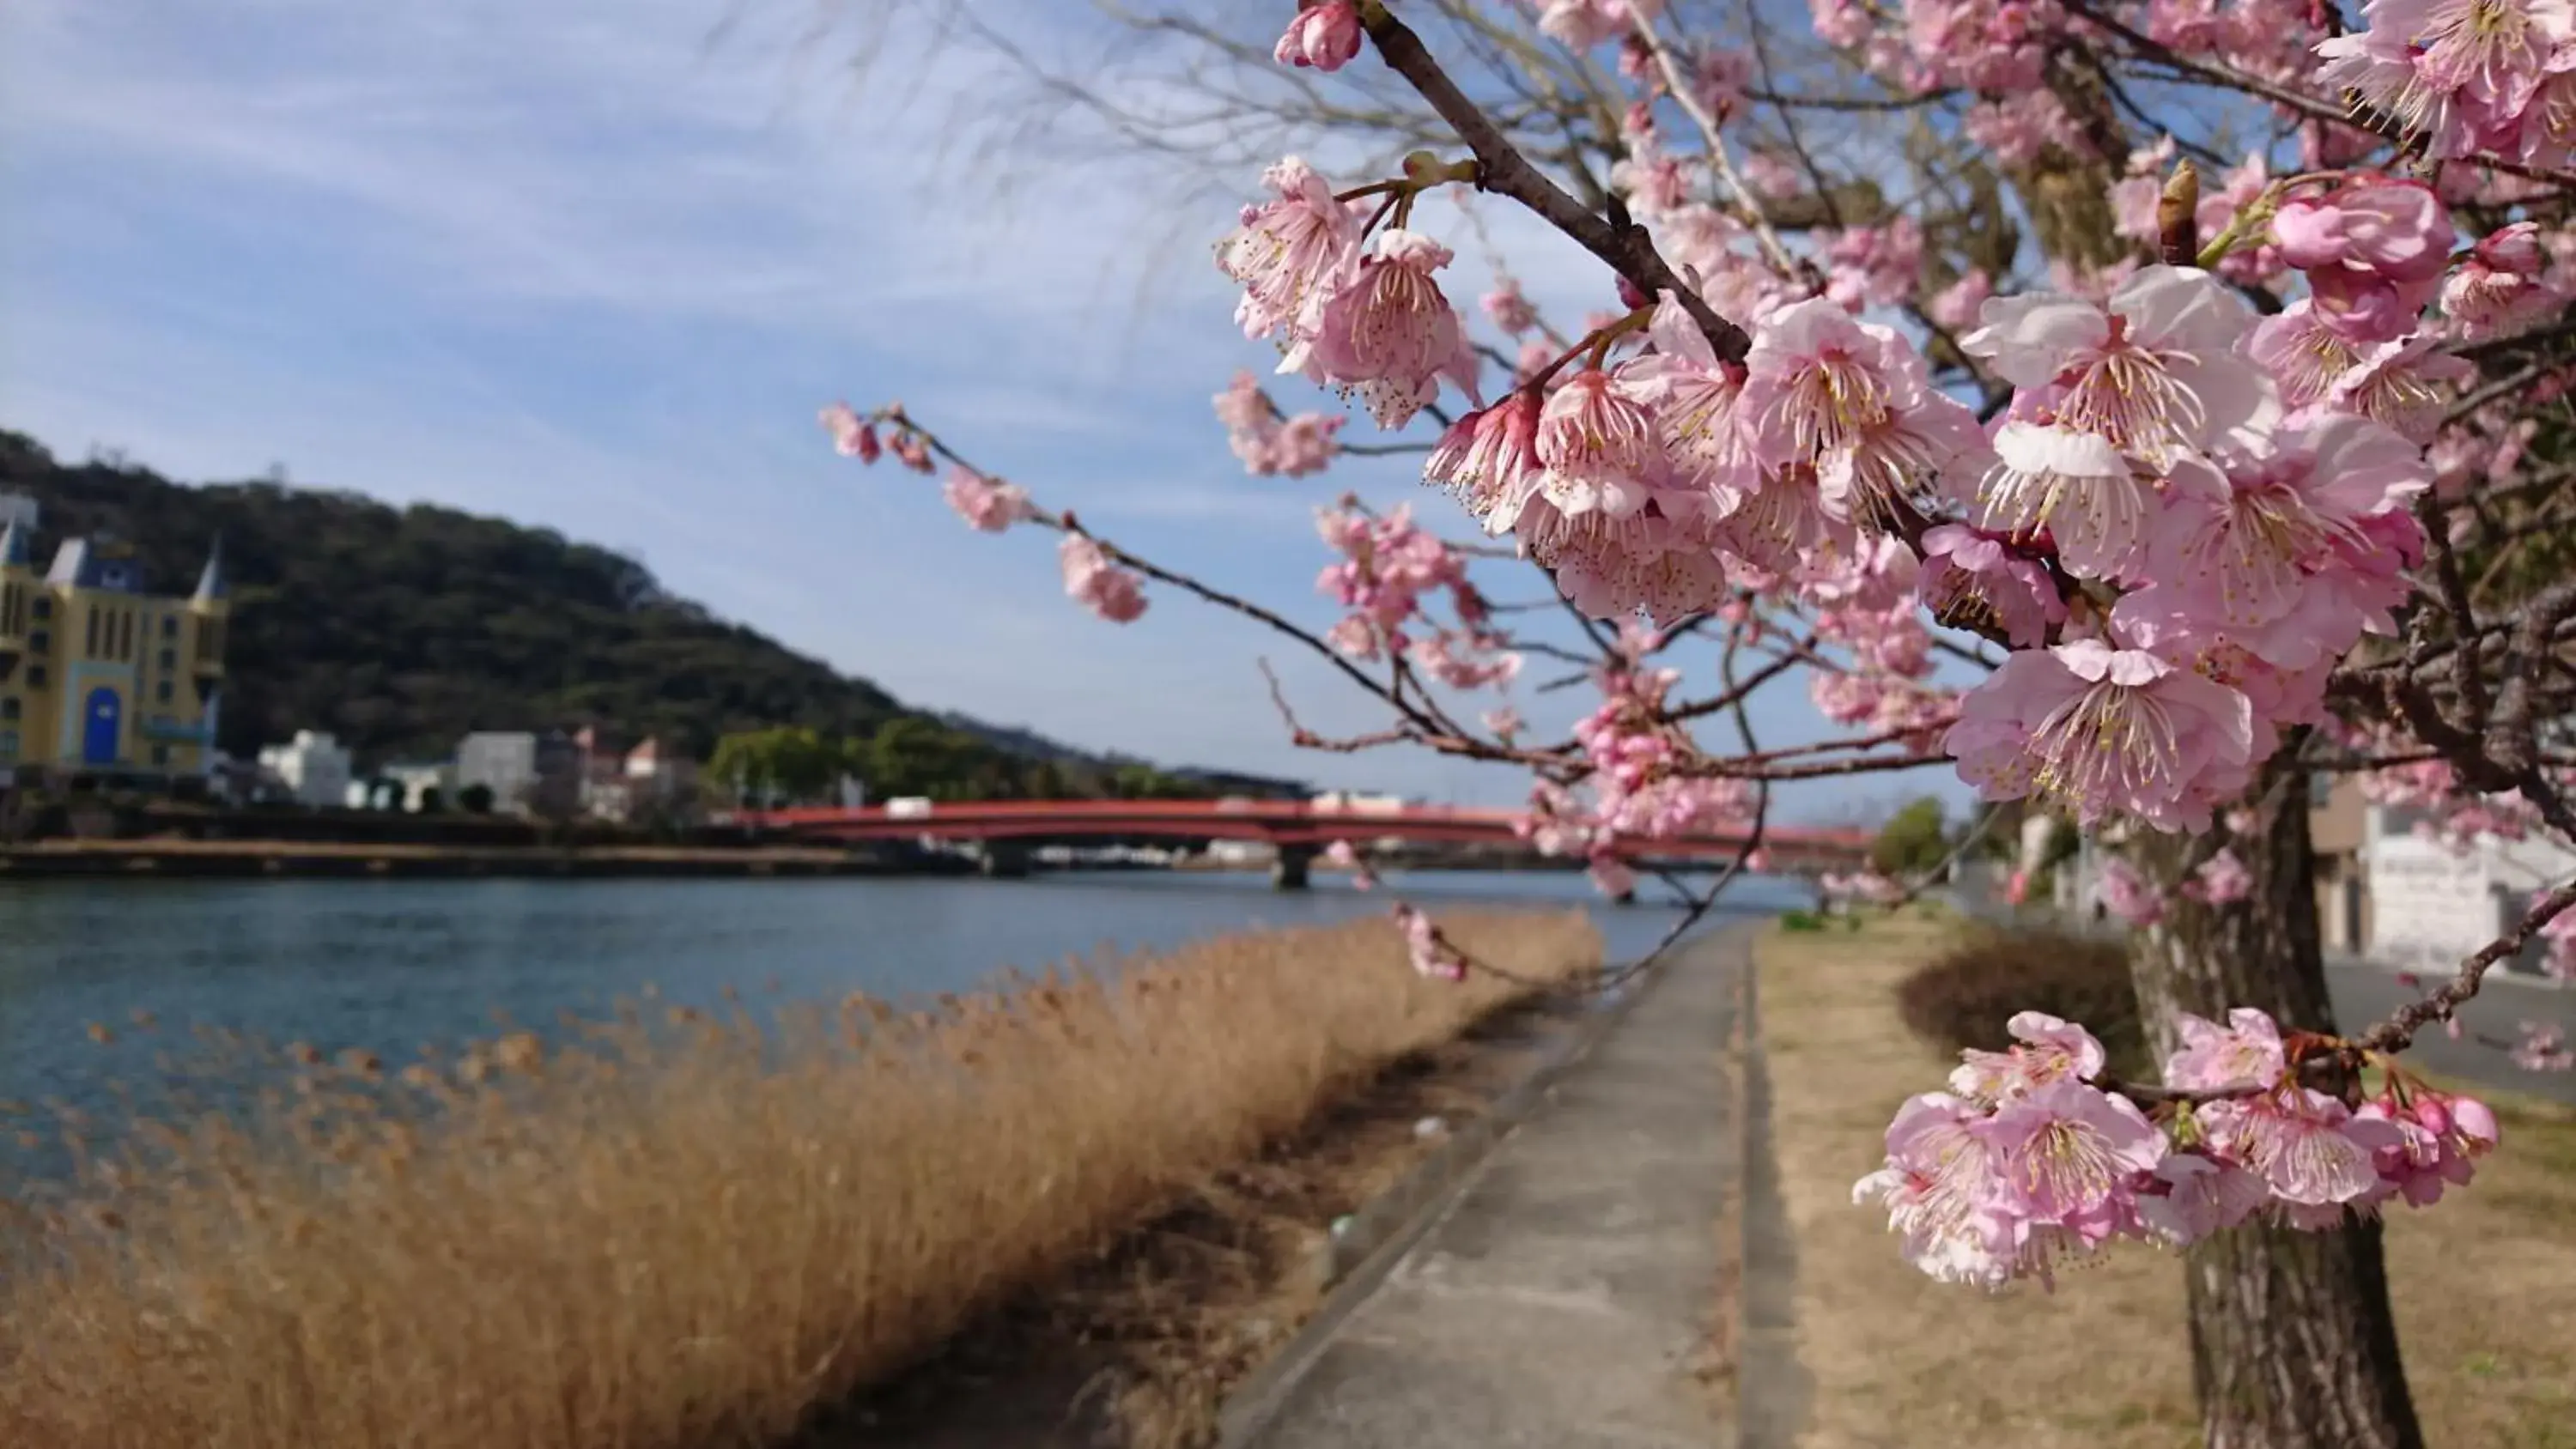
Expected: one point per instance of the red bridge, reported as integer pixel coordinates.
(1296, 828)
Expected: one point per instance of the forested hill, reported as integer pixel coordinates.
(400, 629)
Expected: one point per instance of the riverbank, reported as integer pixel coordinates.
(679, 1232)
(325, 859)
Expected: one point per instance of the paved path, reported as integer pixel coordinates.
(1565, 1296)
(2364, 992)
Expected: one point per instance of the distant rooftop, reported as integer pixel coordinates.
(106, 564)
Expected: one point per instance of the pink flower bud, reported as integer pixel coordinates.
(2514, 249)
(1325, 36)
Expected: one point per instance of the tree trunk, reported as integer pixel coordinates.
(2292, 1342)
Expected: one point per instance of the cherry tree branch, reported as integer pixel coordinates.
(1503, 170)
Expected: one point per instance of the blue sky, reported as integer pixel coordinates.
(593, 264)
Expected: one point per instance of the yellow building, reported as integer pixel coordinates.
(98, 677)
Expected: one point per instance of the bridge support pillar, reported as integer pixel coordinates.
(1003, 860)
(1288, 871)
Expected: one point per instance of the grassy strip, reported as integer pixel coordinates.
(2484, 1282)
(692, 1237)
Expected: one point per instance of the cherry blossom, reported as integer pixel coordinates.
(1344, 856)
(1509, 309)
(1430, 953)
(2051, 1050)
(2220, 880)
(1489, 459)
(2066, 1151)
(1972, 578)
(2246, 1051)
(1292, 255)
(2155, 374)
(2442, 1136)
(2309, 1149)
(912, 451)
(1611, 875)
(1955, 306)
(2125, 893)
(2238, 549)
(1943, 1191)
(2459, 73)
(1853, 401)
(2105, 731)
(1389, 331)
(1093, 581)
(2077, 488)
(2404, 384)
(852, 435)
(1584, 24)
(988, 505)
(2542, 1047)
(2373, 249)
(2194, 1195)
(2499, 289)
(1596, 442)
(1268, 444)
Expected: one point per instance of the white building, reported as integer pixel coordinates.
(2433, 901)
(1353, 802)
(504, 763)
(314, 769)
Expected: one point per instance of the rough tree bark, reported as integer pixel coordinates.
(2292, 1342)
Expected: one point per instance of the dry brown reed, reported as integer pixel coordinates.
(681, 1230)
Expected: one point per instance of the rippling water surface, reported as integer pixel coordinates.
(392, 965)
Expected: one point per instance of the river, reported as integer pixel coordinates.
(389, 966)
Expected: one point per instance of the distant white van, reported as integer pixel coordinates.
(908, 807)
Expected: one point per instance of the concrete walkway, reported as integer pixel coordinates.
(1567, 1293)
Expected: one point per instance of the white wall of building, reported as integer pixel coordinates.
(314, 768)
(2437, 902)
(503, 762)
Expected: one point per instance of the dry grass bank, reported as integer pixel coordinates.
(688, 1238)
(2485, 1283)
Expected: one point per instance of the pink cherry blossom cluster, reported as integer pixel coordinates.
(1268, 443)
(1632, 788)
(1365, 318)
(2452, 813)
(988, 505)
(1430, 952)
(2502, 286)
(2220, 880)
(1094, 581)
(1388, 566)
(1585, 24)
(2471, 77)
(2542, 1047)
(2126, 892)
(1343, 855)
(1663, 483)
(2030, 1161)
(1874, 266)
(856, 437)
(2248, 545)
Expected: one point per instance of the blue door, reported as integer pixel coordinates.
(104, 718)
